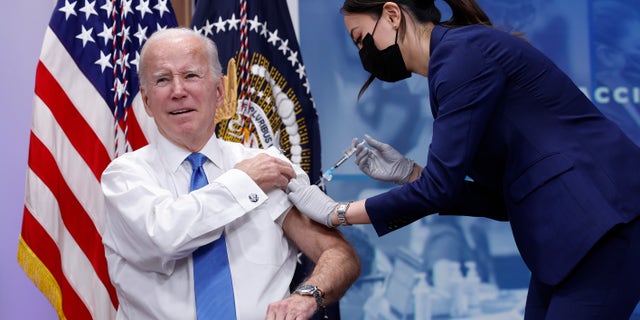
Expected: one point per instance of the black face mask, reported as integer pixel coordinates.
(386, 65)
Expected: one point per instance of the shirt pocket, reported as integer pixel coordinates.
(538, 174)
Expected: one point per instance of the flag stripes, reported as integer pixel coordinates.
(47, 271)
(82, 137)
(71, 214)
(88, 61)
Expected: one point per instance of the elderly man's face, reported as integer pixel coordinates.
(180, 92)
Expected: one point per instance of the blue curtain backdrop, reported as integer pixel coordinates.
(471, 265)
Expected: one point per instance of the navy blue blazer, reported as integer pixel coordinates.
(540, 154)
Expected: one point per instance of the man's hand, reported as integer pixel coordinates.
(312, 202)
(294, 307)
(383, 162)
(268, 172)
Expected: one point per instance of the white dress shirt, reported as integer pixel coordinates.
(153, 224)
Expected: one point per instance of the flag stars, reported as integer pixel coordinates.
(136, 60)
(300, 71)
(141, 34)
(143, 8)
(293, 57)
(160, 27)
(233, 22)
(220, 25)
(104, 61)
(119, 88)
(284, 46)
(89, 9)
(207, 29)
(68, 9)
(123, 63)
(254, 24)
(273, 37)
(126, 8)
(106, 34)
(161, 7)
(107, 7)
(307, 85)
(265, 30)
(124, 34)
(85, 36)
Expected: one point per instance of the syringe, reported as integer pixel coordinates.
(328, 174)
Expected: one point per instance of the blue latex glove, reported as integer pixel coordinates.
(383, 162)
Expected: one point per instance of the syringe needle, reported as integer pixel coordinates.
(328, 174)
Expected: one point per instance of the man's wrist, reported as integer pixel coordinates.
(315, 292)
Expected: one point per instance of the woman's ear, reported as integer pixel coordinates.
(392, 13)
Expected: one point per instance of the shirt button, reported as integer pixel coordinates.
(253, 197)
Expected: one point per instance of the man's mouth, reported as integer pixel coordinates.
(181, 111)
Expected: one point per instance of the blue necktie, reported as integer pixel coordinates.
(212, 276)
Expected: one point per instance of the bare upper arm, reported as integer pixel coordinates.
(310, 237)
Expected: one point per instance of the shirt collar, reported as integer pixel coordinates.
(173, 156)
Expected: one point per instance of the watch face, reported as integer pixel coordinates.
(306, 290)
(309, 290)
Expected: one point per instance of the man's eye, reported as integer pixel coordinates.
(191, 76)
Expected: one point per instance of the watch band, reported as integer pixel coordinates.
(341, 211)
(311, 290)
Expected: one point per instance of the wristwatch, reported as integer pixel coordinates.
(311, 290)
(341, 211)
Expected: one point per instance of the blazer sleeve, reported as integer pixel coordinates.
(465, 86)
(478, 201)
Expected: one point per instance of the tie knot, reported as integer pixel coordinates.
(196, 160)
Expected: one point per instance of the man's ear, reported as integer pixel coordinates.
(145, 101)
(220, 93)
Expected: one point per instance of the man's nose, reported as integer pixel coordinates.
(178, 88)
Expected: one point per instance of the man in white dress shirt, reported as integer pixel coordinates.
(154, 223)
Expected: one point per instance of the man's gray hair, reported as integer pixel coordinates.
(210, 46)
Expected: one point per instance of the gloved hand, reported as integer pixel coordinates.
(312, 202)
(383, 162)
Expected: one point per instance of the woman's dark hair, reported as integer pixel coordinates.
(463, 13)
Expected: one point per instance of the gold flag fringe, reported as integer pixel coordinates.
(40, 275)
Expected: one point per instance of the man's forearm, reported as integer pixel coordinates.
(336, 270)
(336, 262)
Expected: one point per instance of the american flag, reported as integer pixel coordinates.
(86, 111)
